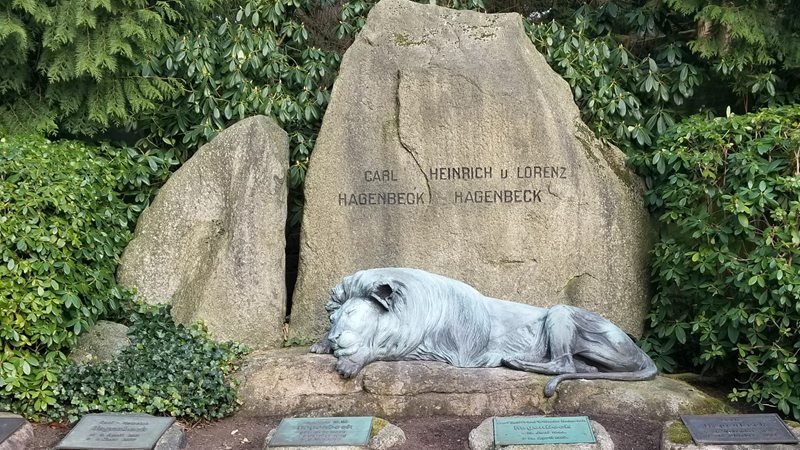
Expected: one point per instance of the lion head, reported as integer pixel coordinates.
(393, 313)
(362, 318)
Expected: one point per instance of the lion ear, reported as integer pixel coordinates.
(384, 294)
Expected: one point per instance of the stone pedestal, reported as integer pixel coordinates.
(293, 382)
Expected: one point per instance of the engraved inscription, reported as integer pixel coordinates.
(116, 431)
(504, 196)
(380, 198)
(460, 173)
(542, 172)
(324, 432)
(384, 178)
(379, 175)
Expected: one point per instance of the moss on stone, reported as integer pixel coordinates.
(693, 378)
(792, 424)
(709, 405)
(678, 433)
(587, 138)
(300, 341)
(404, 40)
(481, 32)
(389, 130)
(377, 425)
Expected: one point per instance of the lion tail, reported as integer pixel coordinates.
(647, 373)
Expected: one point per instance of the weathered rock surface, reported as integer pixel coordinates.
(290, 381)
(676, 437)
(20, 439)
(212, 243)
(172, 439)
(102, 343)
(482, 438)
(451, 146)
(387, 437)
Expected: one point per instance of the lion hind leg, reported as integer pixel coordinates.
(560, 330)
(584, 367)
(559, 366)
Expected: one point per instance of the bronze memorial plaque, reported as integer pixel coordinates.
(9, 425)
(116, 432)
(537, 430)
(323, 431)
(739, 429)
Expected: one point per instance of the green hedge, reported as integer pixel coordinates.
(66, 212)
(727, 266)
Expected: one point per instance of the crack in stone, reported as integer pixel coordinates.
(575, 277)
(405, 147)
(511, 261)
(458, 37)
(552, 193)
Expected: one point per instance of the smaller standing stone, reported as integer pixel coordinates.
(102, 343)
(213, 242)
(482, 438)
(676, 437)
(19, 439)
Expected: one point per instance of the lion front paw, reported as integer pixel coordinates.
(322, 347)
(348, 368)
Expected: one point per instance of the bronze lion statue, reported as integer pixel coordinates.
(398, 314)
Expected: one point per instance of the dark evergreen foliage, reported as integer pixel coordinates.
(76, 66)
(727, 265)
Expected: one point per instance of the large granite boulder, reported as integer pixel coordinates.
(212, 243)
(451, 146)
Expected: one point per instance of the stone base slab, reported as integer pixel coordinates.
(294, 382)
